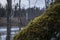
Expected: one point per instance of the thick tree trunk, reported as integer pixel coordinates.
(8, 19)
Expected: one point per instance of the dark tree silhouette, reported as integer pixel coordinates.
(9, 3)
(19, 16)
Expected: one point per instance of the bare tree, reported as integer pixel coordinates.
(19, 17)
(35, 3)
(29, 10)
(9, 3)
(29, 3)
(46, 3)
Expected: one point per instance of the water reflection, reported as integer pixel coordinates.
(3, 32)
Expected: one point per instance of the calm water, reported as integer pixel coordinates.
(3, 32)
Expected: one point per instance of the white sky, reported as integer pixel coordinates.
(24, 3)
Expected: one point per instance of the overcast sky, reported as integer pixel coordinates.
(24, 3)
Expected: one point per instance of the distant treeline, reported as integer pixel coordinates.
(16, 12)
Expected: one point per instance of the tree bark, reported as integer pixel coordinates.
(9, 3)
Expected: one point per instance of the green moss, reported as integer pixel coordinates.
(42, 27)
(57, 0)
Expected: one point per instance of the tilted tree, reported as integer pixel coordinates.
(43, 27)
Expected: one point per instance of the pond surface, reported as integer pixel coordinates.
(3, 32)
